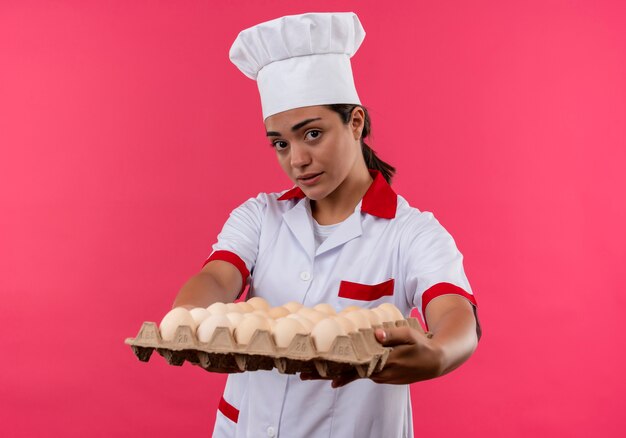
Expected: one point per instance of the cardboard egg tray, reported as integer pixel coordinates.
(360, 351)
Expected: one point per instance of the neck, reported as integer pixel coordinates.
(341, 203)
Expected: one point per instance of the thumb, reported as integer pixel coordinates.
(391, 337)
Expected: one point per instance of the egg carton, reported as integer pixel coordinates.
(357, 351)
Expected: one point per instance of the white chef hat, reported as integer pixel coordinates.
(301, 60)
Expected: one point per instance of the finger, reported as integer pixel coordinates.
(313, 376)
(344, 379)
(223, 370)
(379, 377)
(395, 336)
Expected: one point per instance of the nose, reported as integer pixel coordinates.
(300, 156)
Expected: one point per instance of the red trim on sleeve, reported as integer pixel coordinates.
(365, 292)
(443, 289)
(233, 259)
(228, 410)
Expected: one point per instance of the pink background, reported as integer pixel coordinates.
(127, 136)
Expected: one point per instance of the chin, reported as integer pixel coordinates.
(313, 194)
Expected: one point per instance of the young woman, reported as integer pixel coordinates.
(339, 236)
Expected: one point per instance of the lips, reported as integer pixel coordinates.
(308, 176)
(309, 179)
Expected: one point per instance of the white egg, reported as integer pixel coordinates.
(285, 330)
(382, 315)
(393, 311)
(278, 312)
(311, 314)
(176, 317)
(325, 308)
(292, 306)
(232, 307)
(260, 312)
(208, 326)
(373, 318)
(350, 309)
(324, 334)
(306, 323)
(235, 318)
(218, 309)
(359, 320)
(198, 314)
(259, 303)
(247, 327)
(347, 325)
(244, 307)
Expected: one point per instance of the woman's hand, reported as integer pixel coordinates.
(416, 356)
(413, 357)
(231, 370)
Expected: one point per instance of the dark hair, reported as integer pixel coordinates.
(371, 159)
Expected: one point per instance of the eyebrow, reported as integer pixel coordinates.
(294, 127)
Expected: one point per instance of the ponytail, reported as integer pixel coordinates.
(371, 159)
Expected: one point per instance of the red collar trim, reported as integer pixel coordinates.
(380, 200)
(295, 193)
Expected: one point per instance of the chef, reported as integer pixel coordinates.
(341, 236)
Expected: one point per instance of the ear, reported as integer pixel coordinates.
(357, 122)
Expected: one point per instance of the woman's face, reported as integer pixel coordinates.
(314, 148)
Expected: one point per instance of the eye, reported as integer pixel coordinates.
(313, 134)
(279, 145)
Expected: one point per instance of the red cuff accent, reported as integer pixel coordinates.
(365, 292)
(228, 410)
(233, 259)
(443, 289)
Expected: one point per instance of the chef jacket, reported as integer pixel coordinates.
(385, 252)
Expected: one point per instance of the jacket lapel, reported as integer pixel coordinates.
(298, 219)
(349, 229)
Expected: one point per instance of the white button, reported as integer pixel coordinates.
(271, 431)
(305, 275)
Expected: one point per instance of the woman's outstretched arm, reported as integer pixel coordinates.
(416, 356)
(217, 281)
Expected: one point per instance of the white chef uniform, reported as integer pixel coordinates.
(386, 251)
